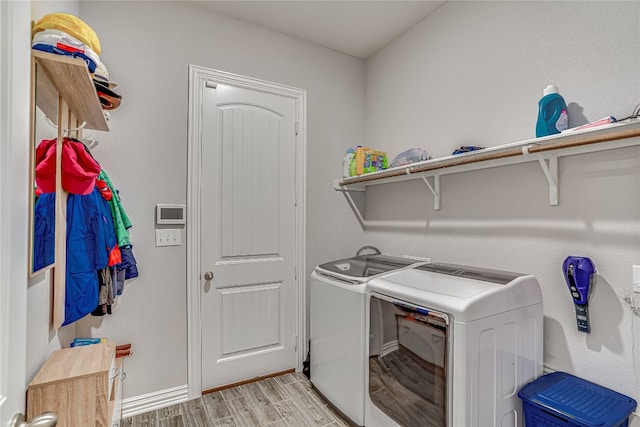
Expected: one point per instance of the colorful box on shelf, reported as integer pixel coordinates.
(367, 160)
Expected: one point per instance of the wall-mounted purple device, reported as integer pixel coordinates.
(580, 275)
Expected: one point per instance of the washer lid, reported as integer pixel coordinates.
(483, 274)
(467, 293)
(364, 267)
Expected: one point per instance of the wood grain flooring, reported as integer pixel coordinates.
(284, 401)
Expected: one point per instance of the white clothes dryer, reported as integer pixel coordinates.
(450, 346)
(337, 341)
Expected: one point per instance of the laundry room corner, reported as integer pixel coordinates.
(482, 89)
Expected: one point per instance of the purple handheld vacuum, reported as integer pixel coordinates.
(580, 275)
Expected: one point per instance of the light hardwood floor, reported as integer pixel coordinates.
(283, 401)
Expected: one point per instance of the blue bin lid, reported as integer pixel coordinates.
(579, 400)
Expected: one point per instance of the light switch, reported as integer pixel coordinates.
(168, 237)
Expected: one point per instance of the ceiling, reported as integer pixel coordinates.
(358, 27)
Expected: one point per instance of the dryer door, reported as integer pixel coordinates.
(408, 362)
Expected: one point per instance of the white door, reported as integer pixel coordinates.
(14, 206)
(248, 234)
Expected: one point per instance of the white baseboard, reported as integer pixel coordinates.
(156, 400)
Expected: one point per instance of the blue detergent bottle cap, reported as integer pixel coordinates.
(552, 113)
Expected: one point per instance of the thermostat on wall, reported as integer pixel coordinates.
(170, 214)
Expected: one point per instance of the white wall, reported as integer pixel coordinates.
(472, 73)
(147, 48)
(42, 339)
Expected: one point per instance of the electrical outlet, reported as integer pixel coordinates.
(168, 237)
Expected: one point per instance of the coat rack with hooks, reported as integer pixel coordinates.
(67, 97)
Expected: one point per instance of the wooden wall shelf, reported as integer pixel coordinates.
(545, 150)
(70, 78)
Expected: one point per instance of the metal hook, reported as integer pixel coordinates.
(90, 143)
(53, 125)
(82, 126)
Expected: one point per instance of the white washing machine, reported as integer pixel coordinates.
(450, 346)
(337, 342)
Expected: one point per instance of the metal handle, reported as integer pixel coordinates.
(372, 248)
(46, 419)
(208, 275)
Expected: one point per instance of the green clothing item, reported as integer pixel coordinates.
(121, 221)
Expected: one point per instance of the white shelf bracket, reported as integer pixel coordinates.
(354, 208)
(435, 190)
(550, 169)
(346, 191)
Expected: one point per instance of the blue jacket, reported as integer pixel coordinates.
(90, 238)
(44, 231)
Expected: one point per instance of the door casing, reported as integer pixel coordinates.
(15, 61)
(198, 79)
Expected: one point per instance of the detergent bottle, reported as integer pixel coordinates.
(346, 163)
(552, 114)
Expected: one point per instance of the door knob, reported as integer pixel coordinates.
(46, 419)
(208, 275)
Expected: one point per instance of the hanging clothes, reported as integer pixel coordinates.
(44, 231)
(99, 252)
(90, 239)
(120, 219)
(117, 280)
(106, 294)
(127, 269)
(129, 263)
(79, 168)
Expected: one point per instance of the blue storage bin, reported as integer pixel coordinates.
(561, 399)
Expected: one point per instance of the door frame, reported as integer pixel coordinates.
(15, 62)
(198, 79)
